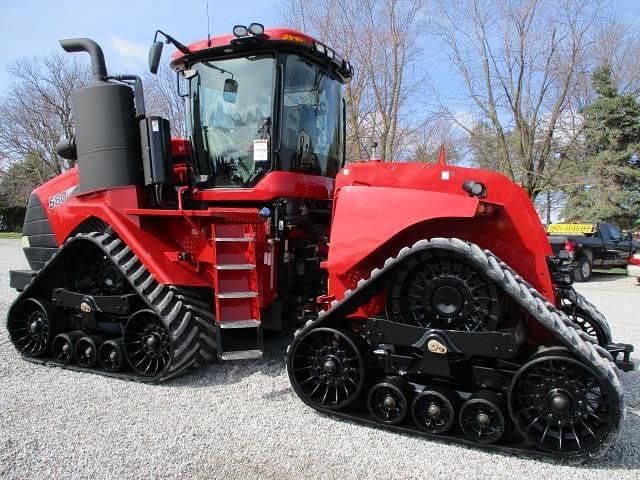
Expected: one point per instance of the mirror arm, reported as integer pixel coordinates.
(169, 39)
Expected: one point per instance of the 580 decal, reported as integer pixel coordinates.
(60, 198)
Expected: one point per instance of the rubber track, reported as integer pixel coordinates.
(565, 330)
(188, 319)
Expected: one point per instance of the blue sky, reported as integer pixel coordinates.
(124, 29)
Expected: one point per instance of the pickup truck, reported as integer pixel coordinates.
(593, 245)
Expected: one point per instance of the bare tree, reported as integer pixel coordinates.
(161, 96)
(520, 63)
(36, 113)
(617, 44)
(380, 39)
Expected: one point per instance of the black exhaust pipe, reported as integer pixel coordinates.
(107, 135)
(98, 66)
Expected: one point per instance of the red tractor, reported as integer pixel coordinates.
(427, 296)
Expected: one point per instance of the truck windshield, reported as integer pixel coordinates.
(232, 107)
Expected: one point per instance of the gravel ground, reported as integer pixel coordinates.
(243, 421)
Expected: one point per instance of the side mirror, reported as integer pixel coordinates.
(155, 52)
(230, 92)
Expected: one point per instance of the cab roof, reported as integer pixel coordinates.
(227, 44)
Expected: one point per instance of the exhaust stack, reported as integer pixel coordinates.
(106, 131)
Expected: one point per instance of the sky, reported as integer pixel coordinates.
(124, 29)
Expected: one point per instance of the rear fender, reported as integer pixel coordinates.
(366, 218)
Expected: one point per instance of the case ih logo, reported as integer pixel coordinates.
(60, 198)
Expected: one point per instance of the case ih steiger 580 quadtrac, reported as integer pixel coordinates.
(427, 294)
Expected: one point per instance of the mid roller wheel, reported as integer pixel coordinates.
(434, 409)
(562, 406)
(483, 417)
(147, 344)
(111, 355)
(86, 350)
(327, 368)
(29, 327)
(389, 400)
(63, 346)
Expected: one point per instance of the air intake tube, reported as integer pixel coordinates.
(107, 136)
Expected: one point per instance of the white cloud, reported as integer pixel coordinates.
(129, 50)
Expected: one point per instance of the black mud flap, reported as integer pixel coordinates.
(19, 279)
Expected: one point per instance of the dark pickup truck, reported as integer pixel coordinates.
(593, 245)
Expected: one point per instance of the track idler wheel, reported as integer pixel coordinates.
(562, 406)
(389, 400)
(111, 355)
(29, 327)
(483, 417)
(327, 368)
(587, 324)
(63, 346)
(434, 409)
(86, 351)
(147, 344)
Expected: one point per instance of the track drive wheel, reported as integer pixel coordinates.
(327, 367)
(483, 417)
(147, 343)
(29, 327)
(434, 409)
(111, 355)
(389, 400)
(86, 350)
(440, 289)
(562, 406)
(64, 345)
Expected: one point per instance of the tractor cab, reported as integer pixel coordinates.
(261, 102)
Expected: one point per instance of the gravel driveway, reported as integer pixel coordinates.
(243, 421)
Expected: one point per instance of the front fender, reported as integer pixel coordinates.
(367, 217)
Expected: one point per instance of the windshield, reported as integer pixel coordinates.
(232, 108)
(312, 119)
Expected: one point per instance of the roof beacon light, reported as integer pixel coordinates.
(256, 29)
(240, 31)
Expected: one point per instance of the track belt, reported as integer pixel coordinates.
(187, 318)
(583, 346)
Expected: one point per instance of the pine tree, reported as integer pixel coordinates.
(611, 164)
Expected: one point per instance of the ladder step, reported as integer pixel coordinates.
(239, 266)
(241, 355)
(240, 324)
(235, 239)
(237, 295)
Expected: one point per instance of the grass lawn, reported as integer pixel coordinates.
(613, 271)
(10, 235)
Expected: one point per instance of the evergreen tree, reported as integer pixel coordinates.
(611, 164)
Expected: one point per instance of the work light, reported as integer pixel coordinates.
(256, 29)
(240, 31)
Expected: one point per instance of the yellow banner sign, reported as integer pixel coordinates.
(581, 228)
